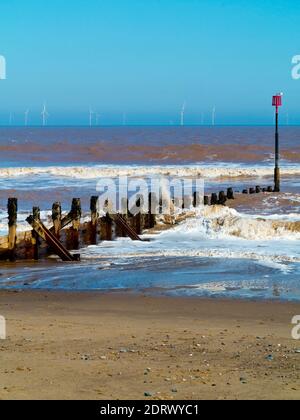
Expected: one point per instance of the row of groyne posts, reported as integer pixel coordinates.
(70, 232)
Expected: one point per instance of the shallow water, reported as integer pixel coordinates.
(251, 253)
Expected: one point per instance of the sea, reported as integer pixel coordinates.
(249, 252)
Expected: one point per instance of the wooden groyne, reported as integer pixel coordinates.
(71, 232)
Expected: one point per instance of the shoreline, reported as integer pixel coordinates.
(157, 293)
(76, 345)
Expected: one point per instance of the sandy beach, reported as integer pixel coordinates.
(113, 346)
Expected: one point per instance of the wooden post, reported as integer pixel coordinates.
(270, 189)
(12, 208)
(120, 231)
(56, 218)
(138, 217)
(245, 192)
(214, 199)
(151, 214)
(230, 194)
(36, 241)
(252, 191)
(106, 228)
(76, 215)
(222, 198)
(258, 189)
(206, 200)
(130, 217)
(94, 219)
(196, 199)
(161, 206)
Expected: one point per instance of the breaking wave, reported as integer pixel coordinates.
(225, 222)
(219, 233)
(97, 171)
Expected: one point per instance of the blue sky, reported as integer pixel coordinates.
(146, 57)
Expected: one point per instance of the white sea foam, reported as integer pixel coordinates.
(223, 222)
(22, 225)
(97, 171)
(279, 262)
(221, 233)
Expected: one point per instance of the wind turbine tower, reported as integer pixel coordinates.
(26, 114)
(45, 115)
(213, 116)
(182, 114)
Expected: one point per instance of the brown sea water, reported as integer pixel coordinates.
(145, 145)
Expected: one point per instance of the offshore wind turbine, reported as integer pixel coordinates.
(213, 116)
(45, 115)
(26, 114)
(182, 114)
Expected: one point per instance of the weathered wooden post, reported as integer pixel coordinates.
(36, 240)
(94, 219)
(206, 200)
(222, 198)
(252, 191)
(56, 218)
(230, 194)
(161, 205)
(106, 228)
(146, 216)
(76, 216)
(152, 210)
(214, 199)
(270, 189)
(12, 208)
(258, 189)
(196, 199)
(245, 192)
(138, 216)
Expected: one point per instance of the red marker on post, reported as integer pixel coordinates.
(277, 102)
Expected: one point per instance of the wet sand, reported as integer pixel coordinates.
(111, 346)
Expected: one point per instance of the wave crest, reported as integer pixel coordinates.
(98, 171)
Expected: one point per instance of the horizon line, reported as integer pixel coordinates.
(147, 125)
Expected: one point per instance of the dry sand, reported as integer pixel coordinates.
(109, 346)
